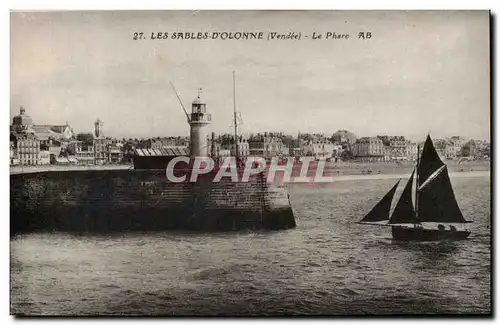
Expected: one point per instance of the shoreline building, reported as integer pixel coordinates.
(100, 143)
(346, 140)
(37, 144)
(224, 146)
(454, 146)
(14, 157)
(54, 132)
(267, 146)
(369, 149)
(243, 147)
(24, 139)
(344, 137)
(53, 138)
(412, 151)
(83, 154)
(399, 148)
(115, 152)
(395, 147)
(321, 149)
(167, 142)
(297, 147)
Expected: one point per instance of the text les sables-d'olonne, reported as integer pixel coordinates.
(250, 35)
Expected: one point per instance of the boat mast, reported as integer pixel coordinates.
(235, 119)
(416, 183)
(235, 130)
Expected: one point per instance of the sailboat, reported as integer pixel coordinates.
(435, 203)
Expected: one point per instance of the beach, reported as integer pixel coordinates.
(331, 168)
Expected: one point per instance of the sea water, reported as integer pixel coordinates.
(327, 265)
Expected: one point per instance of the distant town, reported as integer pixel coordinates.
(32, 144)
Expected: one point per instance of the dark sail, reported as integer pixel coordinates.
(404, 211)
(429, 162)
(436, 200)
(380, 212)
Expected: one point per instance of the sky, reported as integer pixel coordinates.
(421, 72)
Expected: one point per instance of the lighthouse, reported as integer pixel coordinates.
(198, 123)
(98, 128)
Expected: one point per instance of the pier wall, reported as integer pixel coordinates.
(142, 200)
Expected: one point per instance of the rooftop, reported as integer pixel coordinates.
(22, 118)
(162, 152)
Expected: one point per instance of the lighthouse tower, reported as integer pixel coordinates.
(198, 122)
(98, 128)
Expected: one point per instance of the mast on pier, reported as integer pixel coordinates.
(236, 144)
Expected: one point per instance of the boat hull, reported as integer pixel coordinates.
(420, 234)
